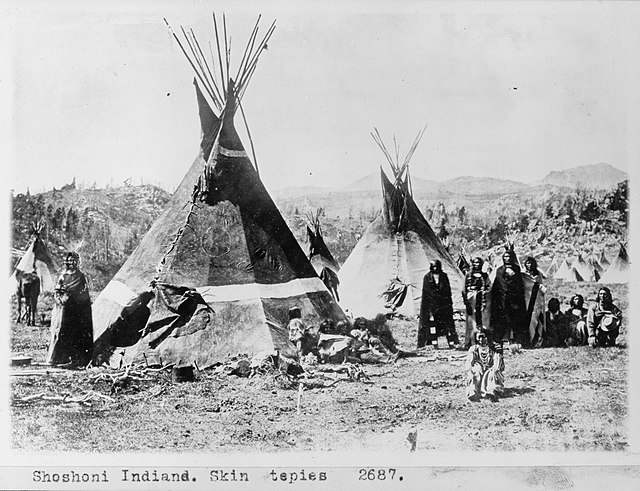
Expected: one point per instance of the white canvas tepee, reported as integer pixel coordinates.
(582, 267)
(618, 271)
(563, 273)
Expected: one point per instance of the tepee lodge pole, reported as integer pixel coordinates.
(223, 79)
(187, 56)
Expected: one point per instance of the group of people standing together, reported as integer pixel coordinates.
(504, 320)
(496, 312)
(499, 307)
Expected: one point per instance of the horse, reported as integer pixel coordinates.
(29, 290)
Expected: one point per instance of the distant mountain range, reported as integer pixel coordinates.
(597, 176)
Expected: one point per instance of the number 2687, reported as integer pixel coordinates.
(376, 474)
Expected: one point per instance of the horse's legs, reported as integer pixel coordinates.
(19, 308)
(34, 312)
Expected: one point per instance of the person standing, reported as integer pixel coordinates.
(436, 307)
(71, 323)
(474, 295)
(534, 298)
(508, 311)
(531, 268)
(603, 320)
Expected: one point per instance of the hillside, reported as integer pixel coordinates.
(293, 191)
(596, 176)
(472, 186)
(103, 225)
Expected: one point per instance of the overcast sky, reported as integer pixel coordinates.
(101, 92)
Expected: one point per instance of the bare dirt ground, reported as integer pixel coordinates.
(555, 400)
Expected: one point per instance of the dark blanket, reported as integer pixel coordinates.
(71, 323)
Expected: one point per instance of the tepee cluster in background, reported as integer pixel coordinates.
(595, 268)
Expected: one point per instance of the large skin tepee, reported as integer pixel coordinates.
(385, 270)
(219, 270)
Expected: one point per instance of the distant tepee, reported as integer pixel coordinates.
(553, 267)
(385, 270)
(582, 268)
(36, 259)
(224, 267)
(618, 270)
(564, 273)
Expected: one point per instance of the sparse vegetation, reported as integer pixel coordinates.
(556, 399)
(103, 225)
(571, 399)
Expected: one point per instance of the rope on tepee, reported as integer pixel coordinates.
(217, 88)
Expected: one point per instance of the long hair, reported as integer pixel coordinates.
(513, 258)
(534, 264)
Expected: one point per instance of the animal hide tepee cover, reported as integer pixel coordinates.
(320, 256)
(224, 266)
(36, 259)
(385, 270)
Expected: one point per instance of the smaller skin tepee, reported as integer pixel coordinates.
(36, 259)
(463, 261)
(385, 270)
(320, 256)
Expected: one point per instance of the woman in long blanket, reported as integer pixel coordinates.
(485, 367)
(475, 296)
(508, 311)
(71, 324)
